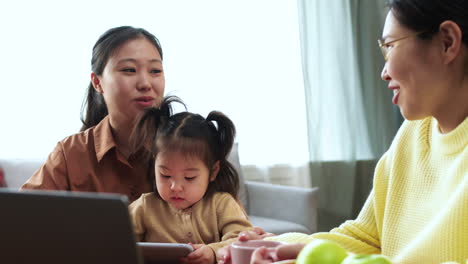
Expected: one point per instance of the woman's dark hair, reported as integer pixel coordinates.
(211, 139)
(427, 15)
(94, 108)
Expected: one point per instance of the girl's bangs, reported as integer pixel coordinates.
(190, 147)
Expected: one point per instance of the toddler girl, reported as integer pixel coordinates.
(196, 198)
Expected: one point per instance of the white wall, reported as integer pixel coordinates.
(241, 57)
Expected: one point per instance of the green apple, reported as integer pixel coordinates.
(323, 252)
(366, 259)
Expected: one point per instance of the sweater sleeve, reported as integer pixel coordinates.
(356, 236)
(137, 213)
(359, 236)
(53, 175)
(231, 221)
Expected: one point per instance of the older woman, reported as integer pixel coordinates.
(417, 211)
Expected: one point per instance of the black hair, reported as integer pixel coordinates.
(427, 15)
(211, 139)
(94, 108)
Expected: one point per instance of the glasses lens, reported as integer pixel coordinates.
(383, 49)
(384, 52)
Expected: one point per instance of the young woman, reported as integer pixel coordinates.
(127, 77)
(417, 211)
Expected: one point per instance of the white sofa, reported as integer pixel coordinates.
(277, 209)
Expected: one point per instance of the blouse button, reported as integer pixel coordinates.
(189, 234)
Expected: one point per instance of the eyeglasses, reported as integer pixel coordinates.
(384, 46)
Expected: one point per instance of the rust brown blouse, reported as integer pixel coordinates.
(89, 162)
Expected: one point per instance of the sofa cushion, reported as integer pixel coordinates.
(234, 159)
(18, 171)
(276, 226)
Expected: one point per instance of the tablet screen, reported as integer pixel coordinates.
(155, 253)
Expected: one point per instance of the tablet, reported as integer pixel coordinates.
(155, 253)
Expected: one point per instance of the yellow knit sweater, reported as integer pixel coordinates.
(417, 211)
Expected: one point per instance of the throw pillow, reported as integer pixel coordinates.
(2, 179)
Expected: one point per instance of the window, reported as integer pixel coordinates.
(240, 57)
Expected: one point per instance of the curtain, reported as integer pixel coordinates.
(350, 118)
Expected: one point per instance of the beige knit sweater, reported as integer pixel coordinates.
(216, 221)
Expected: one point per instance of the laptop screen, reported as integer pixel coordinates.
(65, 227)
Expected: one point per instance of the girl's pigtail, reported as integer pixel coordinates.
(143, 136)
(142, 139)
(226, 133)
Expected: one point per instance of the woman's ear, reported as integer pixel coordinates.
(451, 39)
(96, 82)
(214, 171)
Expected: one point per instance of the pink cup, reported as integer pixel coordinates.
(241, 252)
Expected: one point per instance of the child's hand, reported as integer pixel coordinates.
(255, 234)
(203, 254)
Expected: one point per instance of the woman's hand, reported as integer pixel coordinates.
(283, 252)
(263, 256)
(202, 254)
(289, 251)
(257, 233)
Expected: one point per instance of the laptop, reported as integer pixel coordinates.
(65, 227)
